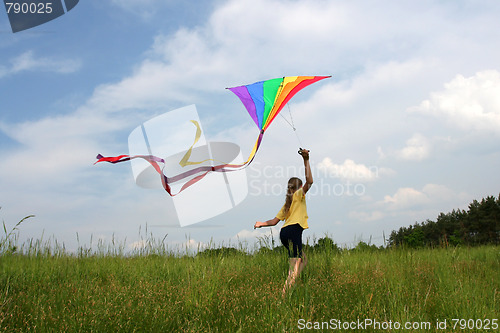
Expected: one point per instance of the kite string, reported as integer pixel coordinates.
(294, 128)
(291, 123)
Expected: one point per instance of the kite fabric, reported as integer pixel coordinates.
(263, 100)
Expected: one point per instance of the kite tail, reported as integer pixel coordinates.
(204, 170)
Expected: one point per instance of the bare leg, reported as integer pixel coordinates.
(293, 272)
(303, 264)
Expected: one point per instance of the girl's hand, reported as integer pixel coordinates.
(257, 225)
(304, 153)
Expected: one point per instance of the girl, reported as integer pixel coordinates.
(294, 212)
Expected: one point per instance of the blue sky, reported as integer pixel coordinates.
(407, 127)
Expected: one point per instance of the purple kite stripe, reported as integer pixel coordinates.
(246, 99)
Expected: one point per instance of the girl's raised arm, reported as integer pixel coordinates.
(309, 179)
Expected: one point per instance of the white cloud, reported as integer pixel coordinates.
(417, 148)
(469, 103)
(138, 245)
(349, 170)
(430, 195)
(406, 197)
(367, 216)
(193, 245)
(380, 153)
(211, 56)
(189, 246)
(27, 61)
(56, 147)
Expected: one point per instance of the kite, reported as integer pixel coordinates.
(263, 100)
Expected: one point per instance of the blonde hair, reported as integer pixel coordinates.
(296, 183)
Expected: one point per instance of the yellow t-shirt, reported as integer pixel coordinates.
(297, 212)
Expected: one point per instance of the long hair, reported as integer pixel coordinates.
(294, 184)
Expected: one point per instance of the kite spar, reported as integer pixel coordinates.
(263, 100)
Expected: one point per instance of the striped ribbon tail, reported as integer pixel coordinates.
(199, 173)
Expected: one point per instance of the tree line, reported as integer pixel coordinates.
(323, 245)
(478, 225)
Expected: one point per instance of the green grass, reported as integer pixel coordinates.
(47, 290)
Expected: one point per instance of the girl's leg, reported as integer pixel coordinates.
(296, 266)
(303, 263)
(291, 238)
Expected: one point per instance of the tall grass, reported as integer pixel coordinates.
(50, 290)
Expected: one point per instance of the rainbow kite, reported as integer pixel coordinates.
(263, 101)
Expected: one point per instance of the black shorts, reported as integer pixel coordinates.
(291, 238)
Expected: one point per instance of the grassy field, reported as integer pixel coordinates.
(367, 291)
